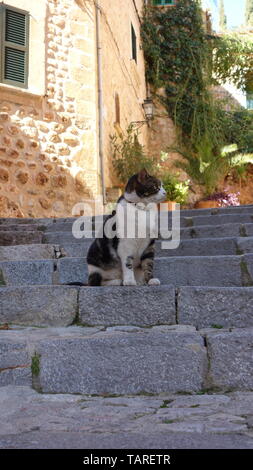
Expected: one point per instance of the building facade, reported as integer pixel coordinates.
(72, 74)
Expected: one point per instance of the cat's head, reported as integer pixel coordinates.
(144, 188)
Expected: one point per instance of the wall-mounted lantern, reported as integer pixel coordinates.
(148, 107)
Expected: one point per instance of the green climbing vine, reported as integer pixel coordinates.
(179, 60)
(183, 61)
(233, 60)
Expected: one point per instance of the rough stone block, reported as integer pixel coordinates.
(59, 238)
(248, 262)
(249, 230)
(231, 359)
(149, 360)
(200, 247)
(143, 306)
(220, 219)
(12, 353)
(21, 228)
(17, 376)
(222, 271)
(212, 231)
(19, 238)
(245, 245)
(25, 253)
(39, 305)
(207, 306)
(72, 270)
(76, 250)
(25, 273)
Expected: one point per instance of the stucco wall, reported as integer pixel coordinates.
(121, 74)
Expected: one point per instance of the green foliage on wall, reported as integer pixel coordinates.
(233, 60)
(179, 59)
(183, 60)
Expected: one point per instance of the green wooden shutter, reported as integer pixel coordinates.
(163, 2)
(15, 47)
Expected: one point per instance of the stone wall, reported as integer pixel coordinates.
(48, 133)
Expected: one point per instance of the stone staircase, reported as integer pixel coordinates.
(191, 335)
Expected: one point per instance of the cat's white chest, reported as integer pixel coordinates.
(133, 223)
(135, 228)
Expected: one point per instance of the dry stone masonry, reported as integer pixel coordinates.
(177, 358)
(48, 138)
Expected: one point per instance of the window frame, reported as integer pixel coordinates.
(162, 3)
(4, 44)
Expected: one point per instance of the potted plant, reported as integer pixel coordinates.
(219, 199)
(177, 191)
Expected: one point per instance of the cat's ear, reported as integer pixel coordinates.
(142, 176)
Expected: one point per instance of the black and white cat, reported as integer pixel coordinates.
(122, 260)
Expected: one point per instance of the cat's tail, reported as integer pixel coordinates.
(77, 284)
(95, 279)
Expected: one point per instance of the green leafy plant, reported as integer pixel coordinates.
(233, 59)
(129, 156)
(183, 61)
(238, 129)
(176, 190)
(179, 60)
(204, 166)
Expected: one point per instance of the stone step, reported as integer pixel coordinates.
(208, 247)
(66, 225)
(20, 238)
(116, 361)
(24, 228)
(244, 209)
(202, 307)
(220, 219)
(32, 221)
(224, 307)
(218, 231)
(30, 420)
(215, 211)
(127, 360)
(38, 305)
(193, 247)
(106, 306)
(30, 252)
(202, 231)
(10, 238)
(223, 271)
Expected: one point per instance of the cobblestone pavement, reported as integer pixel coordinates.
(32, 420)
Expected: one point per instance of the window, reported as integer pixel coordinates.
(164, 2)
(249, 100)
(134, 44)
(117, 109)
(14, 38)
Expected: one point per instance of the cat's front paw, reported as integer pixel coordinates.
(129, 283)
(154, 282)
